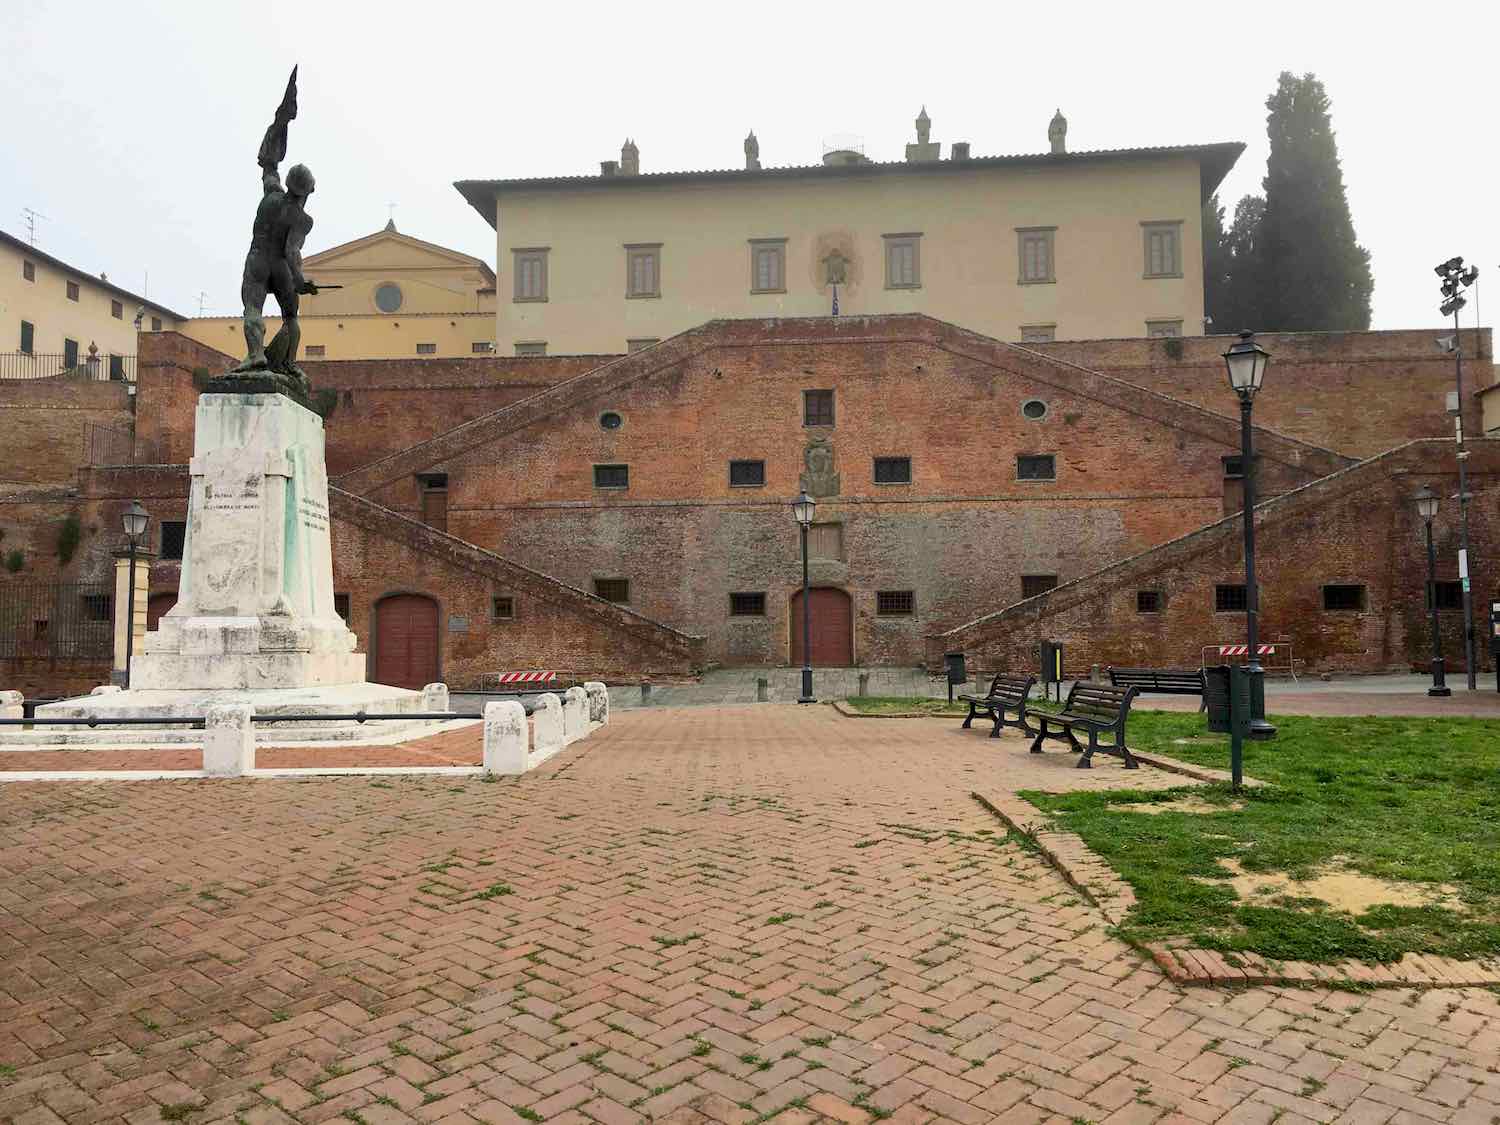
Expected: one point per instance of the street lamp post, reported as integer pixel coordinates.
(803, 508)
(1247, 362)
(1455, 280)
(136, 519)
(1427, 507)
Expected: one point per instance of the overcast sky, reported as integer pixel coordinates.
(133, 127)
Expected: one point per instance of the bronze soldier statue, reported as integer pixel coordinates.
(274, 263)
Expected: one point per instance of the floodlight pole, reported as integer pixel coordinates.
(1471, 673)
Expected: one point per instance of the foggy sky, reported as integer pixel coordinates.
(134, 127)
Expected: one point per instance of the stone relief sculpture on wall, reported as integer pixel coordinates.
(819, 480)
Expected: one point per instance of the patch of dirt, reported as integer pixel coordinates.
(1182, 805)
(1340, 888)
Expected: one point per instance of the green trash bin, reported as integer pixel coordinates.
(1216, 697)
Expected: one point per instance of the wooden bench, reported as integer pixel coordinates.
(1160, 681)
(1008, 692)
(1093, 708)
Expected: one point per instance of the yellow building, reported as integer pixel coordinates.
(57, 319)
(400, 297)
(1057, 245)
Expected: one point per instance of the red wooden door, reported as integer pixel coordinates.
(406, 641)
(832, 628)
(156, 606)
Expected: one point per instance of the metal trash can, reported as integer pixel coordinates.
(957, 671)
(1216, 697)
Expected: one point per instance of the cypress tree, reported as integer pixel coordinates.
(1312, 273)
(1243, 305)
(1215, 265)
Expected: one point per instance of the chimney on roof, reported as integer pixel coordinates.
(924, 150)
(630, 159)
(958, 150)
(752, 153)
(609, 168)
(1057, 134)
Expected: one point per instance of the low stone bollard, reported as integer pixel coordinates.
(864, 684)
(762, 689)
(11, 705)
(107, 689)
(546, 726)
(228, 740)
(435, 698)
(598, 701)
(575, 705)
(505, 747)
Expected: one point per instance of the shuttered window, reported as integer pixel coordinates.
(28, 336)
(768, 265)
(1035, 245)
(72, 290)
(1163, 250)
(530, 274)
(817, 408)
(643, 271)
(903, 262)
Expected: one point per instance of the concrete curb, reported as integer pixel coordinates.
(1097, 882)
(848, 712)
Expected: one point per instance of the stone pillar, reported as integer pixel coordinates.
(505, 750)
(547, 726)
(228, 740)
(122, 605)
(575, 714)
(435, 698)
(10, 705)
(598, 702)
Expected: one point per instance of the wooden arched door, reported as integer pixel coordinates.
(406, 641)
(157, 606)
(832, 628)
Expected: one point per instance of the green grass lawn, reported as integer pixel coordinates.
(905, 705)
(1414, 802)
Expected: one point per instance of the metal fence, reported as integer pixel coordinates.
(110, 445)
(56, 620)
(97, 366)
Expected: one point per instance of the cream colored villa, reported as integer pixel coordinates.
(59, 320)
(401, 297)
(1056, 245)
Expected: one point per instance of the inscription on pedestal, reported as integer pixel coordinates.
(314, 513)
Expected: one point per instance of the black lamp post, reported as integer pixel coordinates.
(1247, 362)
(136, 519)
(803, 508)
(1455, 279)
(1427, 507)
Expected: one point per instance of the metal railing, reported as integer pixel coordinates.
(110, 445)
(196, 722)
(56, 620)
(97, 366)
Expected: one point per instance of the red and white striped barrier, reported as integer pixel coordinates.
(526, 677)
(1244, 650)
(1279, 650)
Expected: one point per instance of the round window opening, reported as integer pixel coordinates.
(388, 297)
(610, 420)
(1034, 408)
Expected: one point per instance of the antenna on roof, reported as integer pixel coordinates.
(31, 217)
(202, 297)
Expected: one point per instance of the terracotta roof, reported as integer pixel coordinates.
(30, 251)
(1214, 161)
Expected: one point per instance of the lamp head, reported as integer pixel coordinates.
(135, 520)
(1247, 362)
(803, 508)
(1426, 501)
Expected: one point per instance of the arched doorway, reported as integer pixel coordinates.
(406, 641)
(157, 606)
(832, 628)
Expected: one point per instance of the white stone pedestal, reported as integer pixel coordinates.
(254, 624)
(255, 603)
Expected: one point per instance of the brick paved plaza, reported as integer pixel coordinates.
(705, 914)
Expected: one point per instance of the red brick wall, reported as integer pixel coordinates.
(383, 406)
(52, 679)
(1360, 393)
(1358, 527)
(42, 423)
(377, 553)
(1133, 470)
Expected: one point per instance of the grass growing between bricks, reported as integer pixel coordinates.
(1412, 803)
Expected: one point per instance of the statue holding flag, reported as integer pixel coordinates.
(274, 265)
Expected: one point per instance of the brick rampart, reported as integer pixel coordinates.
(43, 421)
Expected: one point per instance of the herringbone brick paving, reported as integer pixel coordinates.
(704, 915)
